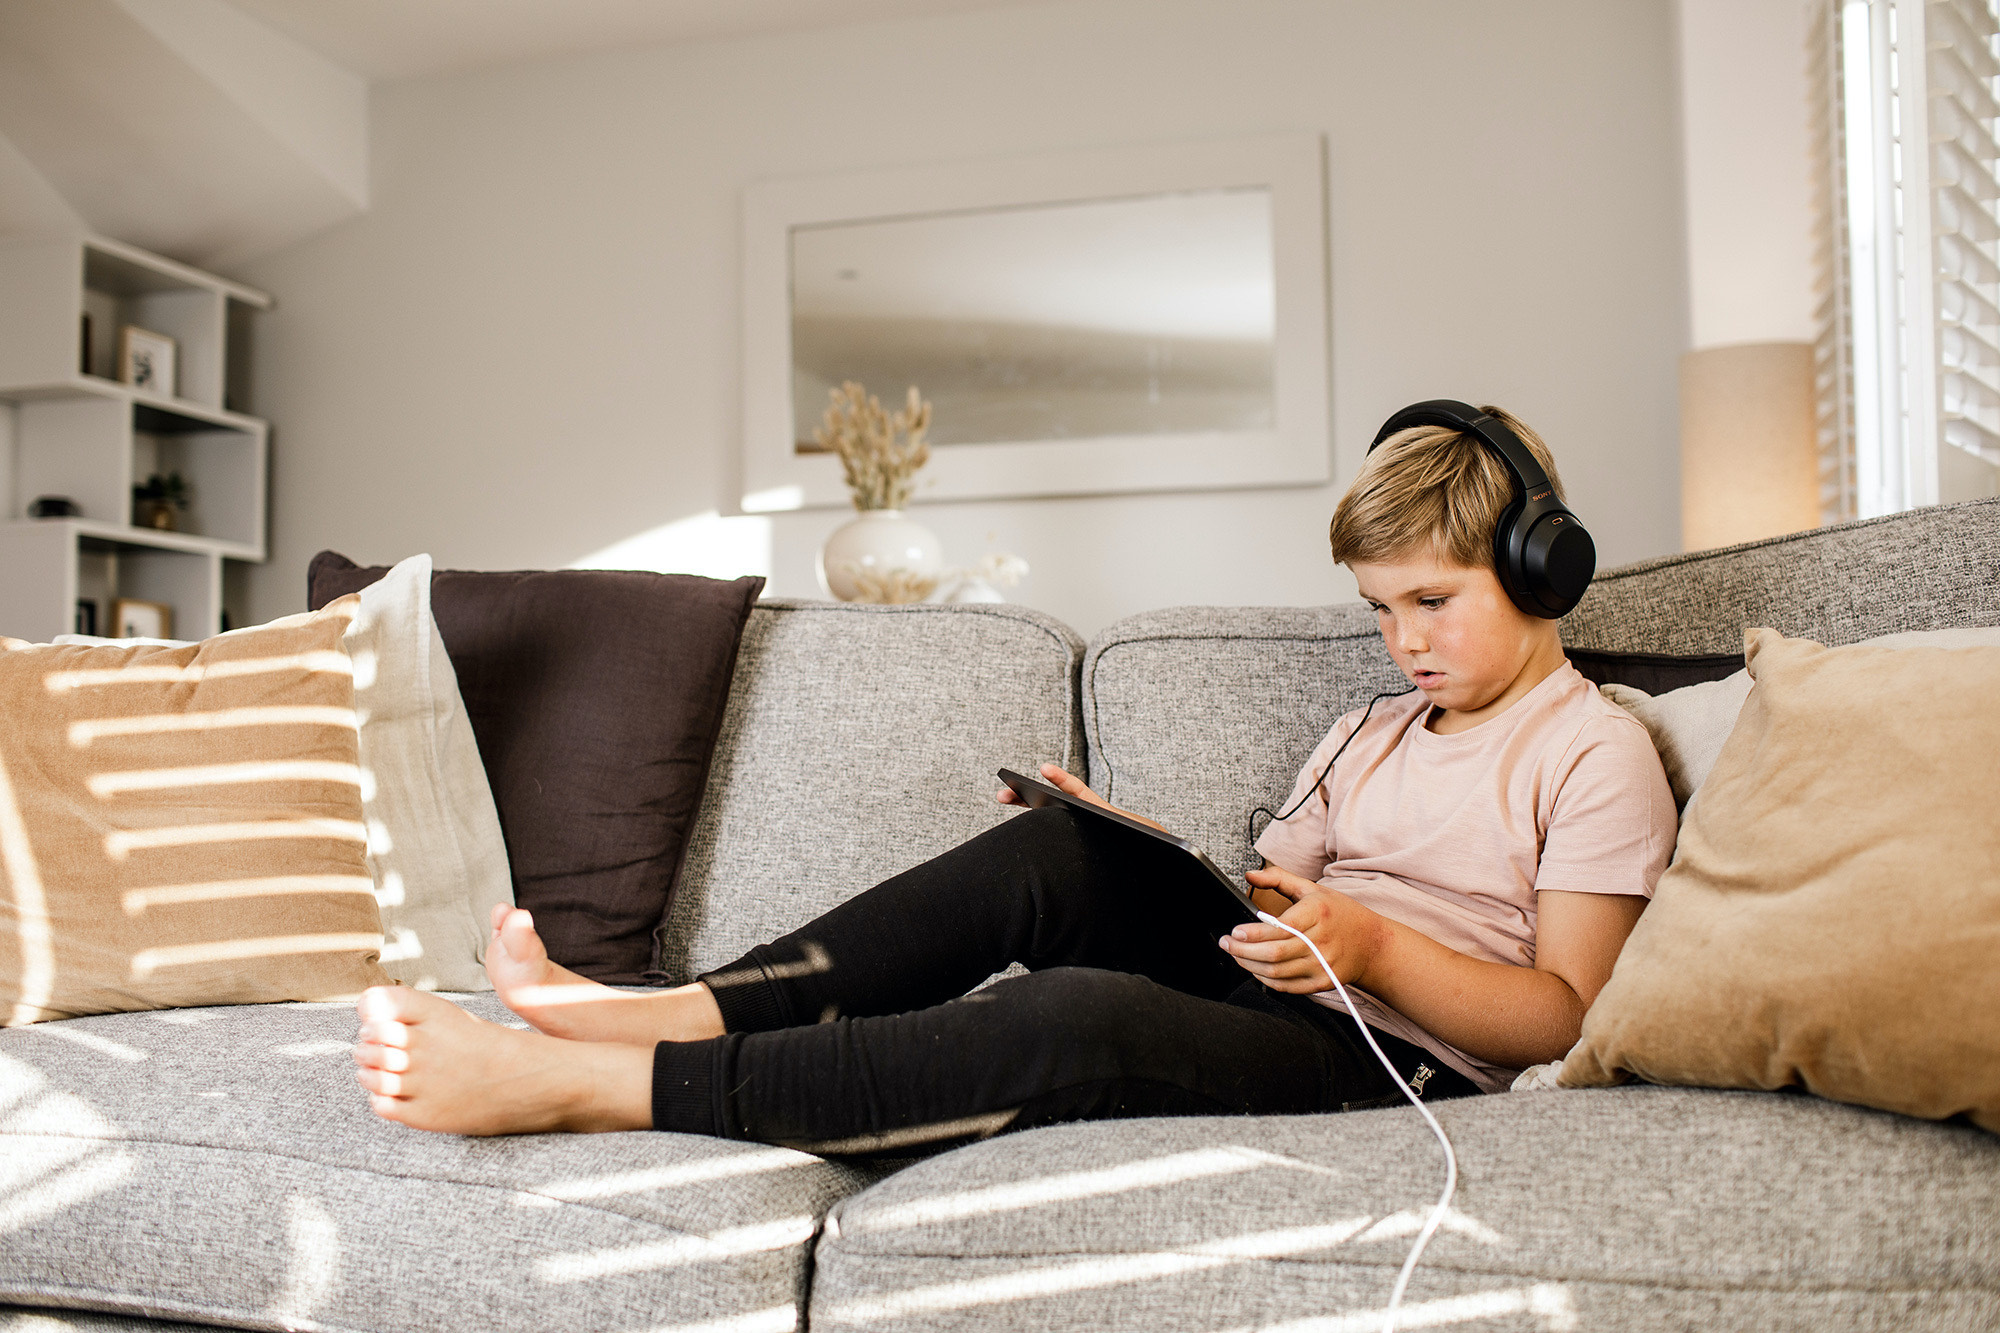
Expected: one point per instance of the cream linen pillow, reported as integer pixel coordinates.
(434, 844)
(1689, 725)
(1832, 917)
(182, 825)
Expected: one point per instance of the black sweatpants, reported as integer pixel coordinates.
(855, 1034)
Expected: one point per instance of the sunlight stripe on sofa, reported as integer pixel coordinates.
(31, 909)
(1093, 1273)
(1547, 1301)
(664, 1177)
(1149, 1173)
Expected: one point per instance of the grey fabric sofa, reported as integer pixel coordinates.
(219, 1167)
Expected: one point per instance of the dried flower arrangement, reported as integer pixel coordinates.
(893, 587)
(880, 470)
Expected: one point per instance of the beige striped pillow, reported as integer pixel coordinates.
(182, 825)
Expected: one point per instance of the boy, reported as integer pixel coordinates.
(1470, 868)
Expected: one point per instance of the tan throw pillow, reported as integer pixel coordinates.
(1689, 725)
(1832, 918)
(182, 825)
(435, 850)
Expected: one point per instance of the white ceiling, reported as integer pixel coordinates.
(400, 39)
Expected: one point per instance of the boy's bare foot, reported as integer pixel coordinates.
(560, 1003)
(428, 1064)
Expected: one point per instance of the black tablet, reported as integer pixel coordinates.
(1035, 794)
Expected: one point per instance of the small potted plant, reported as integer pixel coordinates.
(158, 501)
(883, 555)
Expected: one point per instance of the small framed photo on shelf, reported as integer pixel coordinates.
(146, 360)
(134, 619)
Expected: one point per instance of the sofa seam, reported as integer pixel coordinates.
(384, 1175)
(1429, 1265)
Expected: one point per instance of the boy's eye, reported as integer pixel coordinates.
(1430, 603)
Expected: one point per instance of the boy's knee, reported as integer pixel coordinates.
(1087, 1005)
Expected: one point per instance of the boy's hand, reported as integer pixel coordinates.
(1345, 931)
(1069, 783)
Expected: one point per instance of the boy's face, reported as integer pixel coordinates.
(1455, 634)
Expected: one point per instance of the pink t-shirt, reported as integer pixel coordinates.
(1454, 835)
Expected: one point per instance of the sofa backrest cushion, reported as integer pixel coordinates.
(858, 741)
(1934, 568)
(596, 697)
(1197, 714)
(1193, 715)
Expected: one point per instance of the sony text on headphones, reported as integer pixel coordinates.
(1542, 554)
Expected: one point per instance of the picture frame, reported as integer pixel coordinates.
(1295, 450)
(135, 619)
(146, 360)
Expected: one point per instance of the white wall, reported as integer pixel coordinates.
(1747, 157)
(526, 352)
(29, 205)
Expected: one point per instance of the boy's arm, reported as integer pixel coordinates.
(1507, 1015)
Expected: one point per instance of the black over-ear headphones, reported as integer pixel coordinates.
(1540, 551)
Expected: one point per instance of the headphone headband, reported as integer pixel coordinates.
(1541, 553)
(1469, 420)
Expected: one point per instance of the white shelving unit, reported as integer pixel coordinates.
(91, 439)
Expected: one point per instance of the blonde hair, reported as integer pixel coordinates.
(1431, 488)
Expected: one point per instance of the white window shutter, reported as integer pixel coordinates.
(1909, 244)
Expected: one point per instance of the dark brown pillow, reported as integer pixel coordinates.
(596, 697)
(1655, 673)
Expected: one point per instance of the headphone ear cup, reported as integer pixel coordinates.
(1558, 561)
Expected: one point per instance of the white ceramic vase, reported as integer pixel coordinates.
(882, 555)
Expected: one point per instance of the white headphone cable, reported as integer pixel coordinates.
(1450, 1158)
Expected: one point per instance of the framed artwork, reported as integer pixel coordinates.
(134, 619)
(1151, 318)
(146, 360)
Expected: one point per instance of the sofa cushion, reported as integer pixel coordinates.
(859, 741)
(1689, 724)
(221, 1165)
(1633, 1209)
(595, 696)
(1832, 915)
(182, 825)
(1930, 568)
(1197, 714)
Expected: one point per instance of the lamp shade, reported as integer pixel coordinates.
(1749, 452)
